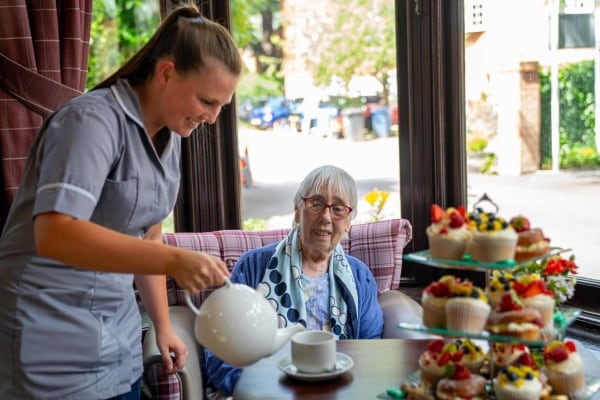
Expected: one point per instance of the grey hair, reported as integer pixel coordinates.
(331, 178)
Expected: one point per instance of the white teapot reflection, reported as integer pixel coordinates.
(239, 325)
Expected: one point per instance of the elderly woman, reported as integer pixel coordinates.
(307, 277)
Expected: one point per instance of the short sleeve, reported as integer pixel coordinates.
(80, 143)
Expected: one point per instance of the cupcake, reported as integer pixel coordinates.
(433, 301)
(531, 242)
(505, 354)
(472, 355)
(518, 382)
(512, 318)
(460, 383)
(434, 360)
(468, 309)
(564, 367)
(494, 240)
(500, 282)
(535, 294)
(449, 234)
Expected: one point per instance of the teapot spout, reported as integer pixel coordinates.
(284, 335)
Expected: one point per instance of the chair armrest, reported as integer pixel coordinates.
(182, 320)
(398, 307)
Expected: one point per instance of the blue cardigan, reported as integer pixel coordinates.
(250, 269)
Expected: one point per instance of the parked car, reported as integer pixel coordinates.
(276, 113)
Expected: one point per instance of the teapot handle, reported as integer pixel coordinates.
(190, 303)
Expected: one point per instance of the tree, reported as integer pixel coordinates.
(349, 38)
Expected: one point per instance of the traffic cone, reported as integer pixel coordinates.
(247, 180)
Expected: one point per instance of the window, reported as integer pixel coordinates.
(433, 128)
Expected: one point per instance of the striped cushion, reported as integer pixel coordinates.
(378, 244)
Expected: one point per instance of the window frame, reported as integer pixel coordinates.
(431, 112)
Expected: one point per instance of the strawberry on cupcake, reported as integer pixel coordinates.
(433, 300)
(564, 367)
(449, 234)
(532, 288)
(434, 360)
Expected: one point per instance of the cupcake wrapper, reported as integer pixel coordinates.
(442, 248)
(461, 317)
(485, 249)
(568, 384)
(433, 316)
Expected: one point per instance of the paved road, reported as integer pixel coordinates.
(562, 204)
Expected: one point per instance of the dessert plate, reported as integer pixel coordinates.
(343, 363)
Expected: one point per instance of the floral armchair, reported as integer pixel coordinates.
(379, 244)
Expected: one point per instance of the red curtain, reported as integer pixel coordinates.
(44, 47)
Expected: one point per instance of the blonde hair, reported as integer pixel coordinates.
(190, 39)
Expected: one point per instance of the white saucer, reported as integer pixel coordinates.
(343, 363)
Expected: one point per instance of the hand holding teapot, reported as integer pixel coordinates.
(239, 325)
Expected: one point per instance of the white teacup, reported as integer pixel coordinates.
(314, 352)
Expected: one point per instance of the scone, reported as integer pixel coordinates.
(512, 318)
(531, 242)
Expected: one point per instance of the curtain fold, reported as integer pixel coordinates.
(44, 47)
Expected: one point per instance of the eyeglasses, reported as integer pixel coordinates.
(317, 206)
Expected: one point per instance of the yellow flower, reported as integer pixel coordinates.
(377, 199)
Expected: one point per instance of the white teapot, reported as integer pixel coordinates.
(239, 325)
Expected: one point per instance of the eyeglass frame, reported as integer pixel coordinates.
(326, 206)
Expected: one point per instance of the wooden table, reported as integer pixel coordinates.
(378, 364)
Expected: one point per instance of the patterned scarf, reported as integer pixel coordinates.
(282, 286)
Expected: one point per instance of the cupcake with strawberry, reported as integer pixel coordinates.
(532, 288)
(494, 239)
(448, 234)
(473, 356)
(433, 300)
(434, 360)
(512, 318)
(499, 283)
(468, 308)
(505, 354)
(564, 367)
(460, 383)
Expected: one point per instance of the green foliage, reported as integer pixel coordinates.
(254, 224)
(577, 116)
(258, 86)
(476, 143)
(357, 38)
(119, 28)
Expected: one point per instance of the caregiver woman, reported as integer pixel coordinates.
(102, 175)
